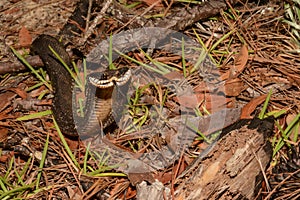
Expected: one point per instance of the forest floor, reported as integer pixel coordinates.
(254, 47)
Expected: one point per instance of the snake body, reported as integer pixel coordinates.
(99, 106)
(102, 90)
(99, 90)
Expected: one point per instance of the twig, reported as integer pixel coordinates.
(95, 23)
(17, 66)
(262, 169)
(88, 17)
(282, 182)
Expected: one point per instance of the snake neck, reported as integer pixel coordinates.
(98, 108)
(60, 78)
(97, 111)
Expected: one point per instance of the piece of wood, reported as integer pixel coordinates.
(233, 168)
(155, 191)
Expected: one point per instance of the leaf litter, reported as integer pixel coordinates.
(259, 55)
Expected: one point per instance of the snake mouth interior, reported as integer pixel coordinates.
(109, 78)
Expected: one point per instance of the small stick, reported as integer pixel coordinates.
(96, 21)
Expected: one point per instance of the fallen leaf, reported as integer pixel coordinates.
(3, 133)
(5, 99)
(151, 2)
(290, 118)
(188, 101)
(136, 178)
(22, 93)
(251, 106)
(239, 65)
(212, 101)
(242, 59)
(25, 38)
(4, 158)
(74, 193)
(73, 144)
(174, 75)
(234, 87)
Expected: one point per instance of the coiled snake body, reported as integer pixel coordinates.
(99, 99)
(99, 90)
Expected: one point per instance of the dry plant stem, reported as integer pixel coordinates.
(88, 17)
(70, 165)
(168, 8)
(96, 21)
(262, 170)
(279, 184)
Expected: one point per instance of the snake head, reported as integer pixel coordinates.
(110, 78)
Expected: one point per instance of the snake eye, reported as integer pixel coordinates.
(104, 77)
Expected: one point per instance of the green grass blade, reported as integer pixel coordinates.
(16, 190)
(84, 71)
(32, 69)
(198, 132)
(65, 144)
(264, 109)
(42, 162)
(288, 129)
(35, 115)
(20, 181)
(160, 66)
(74, 76)
(2, 185)
(11, 162)
(221, 39)
(110, 53)
(140, 63)
(285, 134)
(275, 113)
(85, 158)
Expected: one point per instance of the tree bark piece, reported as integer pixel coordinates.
(233, 167)
(155, 191)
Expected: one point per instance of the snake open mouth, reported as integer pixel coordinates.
(109, 78)
(98, 91)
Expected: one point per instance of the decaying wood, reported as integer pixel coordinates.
(233, 168)
(155, 191)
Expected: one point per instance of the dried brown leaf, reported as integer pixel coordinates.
(151, 2)
(233, 87)
(174, 75)
(3, 133)
(242, 59)
(25, 38)
(251, 106)
(239, 66)
(22, 93)
(5, 99)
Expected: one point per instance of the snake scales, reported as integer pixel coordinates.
(99, 90)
